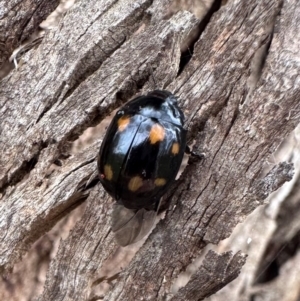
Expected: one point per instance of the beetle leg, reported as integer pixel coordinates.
(199, 156)
(93, 177)
(157, 205)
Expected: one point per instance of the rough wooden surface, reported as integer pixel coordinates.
(270, 237)
(215, 272)
(18, 20)
(103, 53)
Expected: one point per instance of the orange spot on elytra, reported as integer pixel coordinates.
(160, 182)
(175, 148)
(123, 122)
(157, 133)
(135, 183)
(108, 172)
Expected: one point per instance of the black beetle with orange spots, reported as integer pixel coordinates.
(139, 159)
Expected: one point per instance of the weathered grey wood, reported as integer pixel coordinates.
(94, 62)
(44, 85)
(270, 237)
(28, 277)
(81, 255)
(56, 126)
(234, 139)
(215, 272)
(18, 20)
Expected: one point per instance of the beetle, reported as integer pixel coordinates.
(139, 159)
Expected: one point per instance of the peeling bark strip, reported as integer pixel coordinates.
(94, 62)
(215, 272)
(18, 20)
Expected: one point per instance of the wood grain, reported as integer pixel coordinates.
(104, 53)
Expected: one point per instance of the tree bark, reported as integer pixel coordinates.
(239, 92)
(18, 20)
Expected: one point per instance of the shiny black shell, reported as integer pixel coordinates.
(142, 150)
